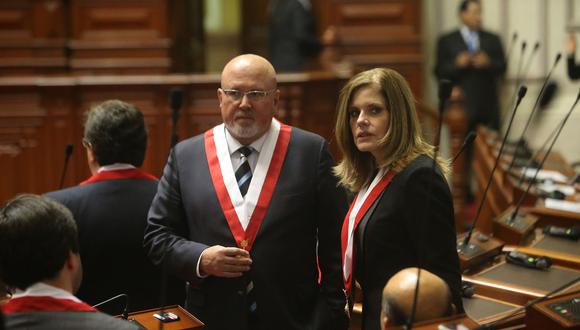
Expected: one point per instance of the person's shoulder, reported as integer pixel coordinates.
(66, 193)
(301, 135)
(449, 35)
(488, 34)
(189, 143)
(108, 322)
(420, 165)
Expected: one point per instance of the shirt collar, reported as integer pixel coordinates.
(115, 167)
(40, 289)
(466, 32)
(234, 145)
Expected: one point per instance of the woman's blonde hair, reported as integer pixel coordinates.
(403, 140)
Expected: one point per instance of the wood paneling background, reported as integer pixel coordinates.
(40, 116)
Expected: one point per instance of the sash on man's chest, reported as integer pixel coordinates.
(244, 215)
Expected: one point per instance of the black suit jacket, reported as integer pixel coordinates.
(301, 226)
(111, 217)
(573, 69)
(401, 232)
(479, 85)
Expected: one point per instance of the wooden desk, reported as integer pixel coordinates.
(518, 285)
(186, 320)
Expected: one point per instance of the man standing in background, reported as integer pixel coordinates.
(474, 60)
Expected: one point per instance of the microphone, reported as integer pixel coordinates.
(498, 322)
(524, 260)
(445, 89)
(68, 150)
(529, 120)
(521, 93)
(560, 127)
(466, 143)
(512, 43)
(175, 103)
(125, 313)
(529, 62)
(571, 233)
(518, 74)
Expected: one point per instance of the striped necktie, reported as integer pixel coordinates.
(244, 172)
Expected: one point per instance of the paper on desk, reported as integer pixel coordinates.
(561, 205)
(563, 188)
(545, 175)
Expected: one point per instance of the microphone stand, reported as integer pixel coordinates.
(467, 252)
(520, 140)
(67, 153)
(125, 313)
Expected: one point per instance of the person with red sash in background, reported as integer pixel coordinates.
(249, 211)
(39, 257)
(110, 209)
(402, 215)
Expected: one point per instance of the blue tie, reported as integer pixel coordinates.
(472, 42)
(244, 172)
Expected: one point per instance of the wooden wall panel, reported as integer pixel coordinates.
(40, 116)
(110, 36)
(32, 36)
(374, 33)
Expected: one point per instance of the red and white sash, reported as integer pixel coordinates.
(244, 216)
(359, 207)
(28, 304)
(131, 173)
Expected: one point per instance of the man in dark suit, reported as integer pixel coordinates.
(247, 211)
(293, 40)
(474, 60)
(111, 212)
(39, 257)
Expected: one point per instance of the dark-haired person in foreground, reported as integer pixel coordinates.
(434, 299)
(111, 212)
(39, 256)
(402, 215)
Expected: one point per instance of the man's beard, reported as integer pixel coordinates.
(242, 132)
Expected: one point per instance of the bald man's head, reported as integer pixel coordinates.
(248, 97)
(250, 64)
(434, 299)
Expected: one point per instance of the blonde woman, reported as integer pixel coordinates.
(402, 215)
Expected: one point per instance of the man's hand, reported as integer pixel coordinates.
(462, 60)
(480, 60)
(224, 261)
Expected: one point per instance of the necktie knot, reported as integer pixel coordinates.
(245, 151)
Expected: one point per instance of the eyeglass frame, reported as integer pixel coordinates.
(263, 94)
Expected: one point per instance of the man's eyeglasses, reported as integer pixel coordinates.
(237, 95)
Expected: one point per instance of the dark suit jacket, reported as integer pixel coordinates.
(111, 217)
(479, 85)
(65, 321)
(304, 215)
(405, 230)
(293, 39)
(573, 69)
